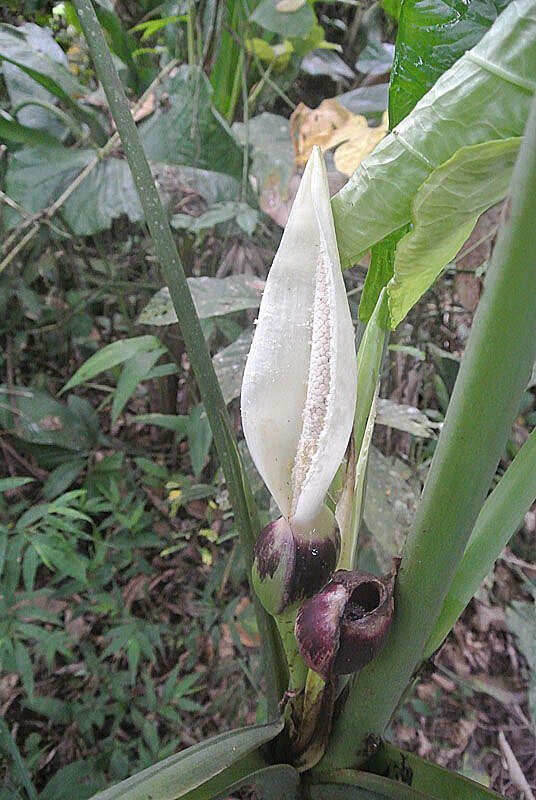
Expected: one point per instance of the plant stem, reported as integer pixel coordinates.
(501, 515)
(296, 667)
(493, 375)
(166, 251)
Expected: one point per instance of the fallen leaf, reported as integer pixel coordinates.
(287, 6)
(350, 154)
(329, 126)
(146, 108)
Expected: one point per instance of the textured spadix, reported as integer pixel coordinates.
(299, 388)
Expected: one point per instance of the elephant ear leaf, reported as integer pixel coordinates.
(179, 775)
(484, 97)
(444, 212)
(431, 36)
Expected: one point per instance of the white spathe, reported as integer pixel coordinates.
(299, 387)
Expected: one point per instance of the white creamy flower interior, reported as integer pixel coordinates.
(320, 379)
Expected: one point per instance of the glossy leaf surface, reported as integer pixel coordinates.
(432, 35)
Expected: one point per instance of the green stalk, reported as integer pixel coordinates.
(492, 378)
(166, 251)
(501, 515)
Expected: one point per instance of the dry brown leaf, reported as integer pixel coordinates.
(331, 125)
(310, 126)
(288, 6)
(350, 154)
(146, 108)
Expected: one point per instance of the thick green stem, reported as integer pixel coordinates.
(243, 506)
(493, 375)
(296, 667)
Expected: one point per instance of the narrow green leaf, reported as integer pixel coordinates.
(379, 273)
(369, 358)
(431, 37)
(110, 356)
(436, 782)
(9, 746)
(24, 667)
(501, 515)
(485, 96)
(62, 477)
(278, 782)
(14, 483)
(199, 438)
(16, 48)
(172, 422)
(176, 776)
(444, 211)
(135, 370)
(366, 787)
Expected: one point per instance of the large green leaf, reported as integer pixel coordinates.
(435, 782)
(485, 96)
(432, 35)
(37, 176)
(229, 365)
(277, 782)
(107, 193)
(180, 774)
(112, 355)
(212, 297)
(21, 87)
(444, 212)
(296, 23)
(35, 417)
(16, 47)
(501, 515)
(185, 129)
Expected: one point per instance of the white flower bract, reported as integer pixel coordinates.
(299, 387)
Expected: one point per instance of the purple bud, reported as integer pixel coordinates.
(287, 567)
(344, 627)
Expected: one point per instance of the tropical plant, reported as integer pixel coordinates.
(340, 646)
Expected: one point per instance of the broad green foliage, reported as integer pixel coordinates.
(432, 35)
(296, 23)
(184, 131)
(34, 416)
(484, 97)
(212, 297)
(443, 213)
